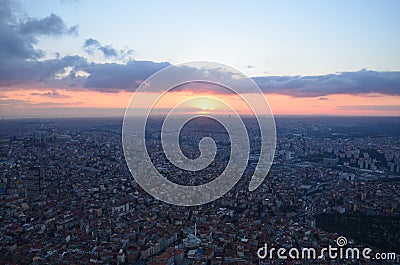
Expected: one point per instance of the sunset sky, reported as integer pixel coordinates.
(86, 58)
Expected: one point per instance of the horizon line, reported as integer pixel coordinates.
(243, 115)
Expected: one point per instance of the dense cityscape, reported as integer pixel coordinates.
(67, 196)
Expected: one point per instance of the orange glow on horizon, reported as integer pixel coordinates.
(367, 105)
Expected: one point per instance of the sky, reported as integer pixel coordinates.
(86, 58)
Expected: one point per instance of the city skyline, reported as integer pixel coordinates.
(309, 59)
(68, 196)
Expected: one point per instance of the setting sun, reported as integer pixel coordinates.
(205, 103)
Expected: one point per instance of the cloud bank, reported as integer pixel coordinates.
(359, 82)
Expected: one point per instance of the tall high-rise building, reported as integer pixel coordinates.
(34, 182)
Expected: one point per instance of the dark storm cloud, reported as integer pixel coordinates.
(91, 42)
(7, 10)
(91, 45)
(108, 51)
(107, 77)
(51, 25)
(18, 56)
(19, 37)
(15, 46)
(19, 72)
(359, 82)
(19, 64)
(113, 77)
